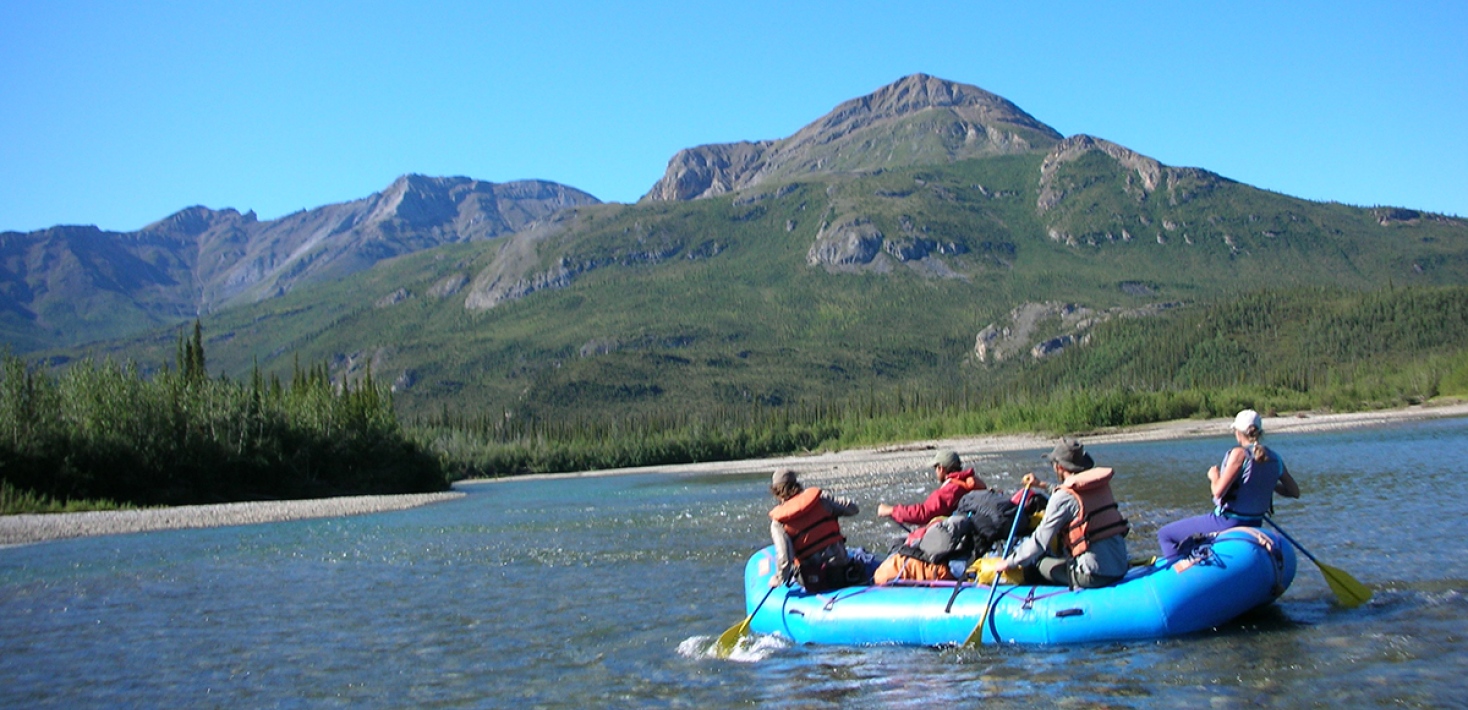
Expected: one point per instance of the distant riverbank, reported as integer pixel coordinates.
(23, 529)
(915, 455)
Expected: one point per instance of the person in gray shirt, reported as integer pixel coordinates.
(1082, 540)
(809, 545)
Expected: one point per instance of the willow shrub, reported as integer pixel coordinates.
(101, 431)
(14, 500)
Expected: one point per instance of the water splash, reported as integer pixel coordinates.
(752, 648)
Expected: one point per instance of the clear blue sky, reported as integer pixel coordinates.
(121, 113)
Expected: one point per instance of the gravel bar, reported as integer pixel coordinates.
(915, 455)
(24, 529)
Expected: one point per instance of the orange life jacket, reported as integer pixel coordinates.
(1098, 517)
(809, 524)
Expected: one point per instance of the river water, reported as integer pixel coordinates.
(608, 591)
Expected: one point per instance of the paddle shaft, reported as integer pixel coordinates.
(977, 635)
(1348, 591)
(761, 603)
(1294, 542)
(726, 642)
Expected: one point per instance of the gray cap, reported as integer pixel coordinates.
(1071, 456)
(947, 459)
(782, 477)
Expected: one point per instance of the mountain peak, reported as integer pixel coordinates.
(190, 222)
(919, 92)
(967, 107)
(918, 118)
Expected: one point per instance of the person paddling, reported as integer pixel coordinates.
(1243, 489)
(1083, 515)
(808, 538)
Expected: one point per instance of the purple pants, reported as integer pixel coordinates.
(1177, 538)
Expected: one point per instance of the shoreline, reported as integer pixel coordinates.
(34, 528)
(43, 527)
(914, 455)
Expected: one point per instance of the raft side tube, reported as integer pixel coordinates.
(1241, 570)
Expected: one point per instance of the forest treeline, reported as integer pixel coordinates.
(102, 435)
(99, 434)
(1309, 349)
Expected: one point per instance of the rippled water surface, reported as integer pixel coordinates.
(607, 591)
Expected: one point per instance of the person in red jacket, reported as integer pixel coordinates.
(954, 482)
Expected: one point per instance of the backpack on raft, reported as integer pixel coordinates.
(991, 514)
(824, 576)
(939, 541)
(980, 523)
(924, 555)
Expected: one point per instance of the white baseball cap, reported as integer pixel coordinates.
(1248, 418)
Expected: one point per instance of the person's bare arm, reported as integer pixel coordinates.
(1223, 480)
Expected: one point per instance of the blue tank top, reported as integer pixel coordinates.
(1253, 492)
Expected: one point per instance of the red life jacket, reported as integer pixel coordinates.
(809, 524)
(1098, 517)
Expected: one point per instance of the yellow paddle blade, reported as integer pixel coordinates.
(1349, 592)
(729, 640)
(976, 637)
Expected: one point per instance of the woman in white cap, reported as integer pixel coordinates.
(807, 537)
(1243, 489)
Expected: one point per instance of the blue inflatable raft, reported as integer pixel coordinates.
(1242, 569)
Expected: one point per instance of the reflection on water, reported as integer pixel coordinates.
(608, 591)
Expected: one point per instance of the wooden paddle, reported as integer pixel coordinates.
(729, 640)
(976, 637)
(1349, 592)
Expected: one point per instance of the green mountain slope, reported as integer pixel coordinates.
(930, 239)
(821, 289)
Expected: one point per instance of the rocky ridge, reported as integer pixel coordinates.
(72, 284)
(918, 118)
(1044, 329)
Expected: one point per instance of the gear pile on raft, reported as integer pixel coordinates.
(1044, 565)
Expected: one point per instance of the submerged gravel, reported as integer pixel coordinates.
(23, 529)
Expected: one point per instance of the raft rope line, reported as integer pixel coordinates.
(1032, 597)
(1202, 554)
(837, 595)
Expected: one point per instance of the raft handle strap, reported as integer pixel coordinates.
(1031, 597)
(1029, 600)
